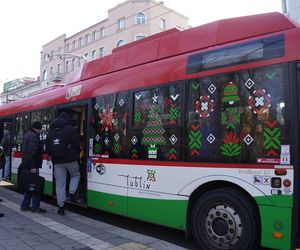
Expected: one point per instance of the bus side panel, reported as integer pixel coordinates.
(47, 172)
(15, 163)
(167, 212)
(275, 220)
(104, 190)
(108, 202)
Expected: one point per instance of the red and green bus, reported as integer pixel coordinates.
(196, 130)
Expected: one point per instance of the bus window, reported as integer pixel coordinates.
(21, 128)
(157, 119)
(239, 117)
(45, 117)
(110, 126)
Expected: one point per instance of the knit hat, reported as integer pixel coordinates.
(36, 125)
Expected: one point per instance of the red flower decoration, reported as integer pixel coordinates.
(231, 137)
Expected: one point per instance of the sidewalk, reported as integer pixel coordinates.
(50, 231)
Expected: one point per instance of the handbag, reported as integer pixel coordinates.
(29, 182)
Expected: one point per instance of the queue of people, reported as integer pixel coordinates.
(63, 147)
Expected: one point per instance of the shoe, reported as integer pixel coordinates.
(38, 210)
(1, 214)
(25, 209)
(1, 200)
(61, 211)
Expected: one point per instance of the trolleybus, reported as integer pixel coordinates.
(196, 130)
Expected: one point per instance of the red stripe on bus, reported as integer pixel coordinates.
(182, 164)
(19, 155)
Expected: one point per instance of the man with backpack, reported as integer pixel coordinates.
(63, 146)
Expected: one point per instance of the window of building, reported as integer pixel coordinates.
(68, 48)
(86, 54)
(45, 75)
(67, 66)
(46, 56)
(94, 53)
(162, 24)
(140, 18)
(101, 52)
(59, 68)
(74, 44)
(139, 37)
(87, 39)
(81, 42)
(102, 32)
(121, 23)
(73, 64)
(78, 62)
(94, 36)
(121, 43)
(51, 71)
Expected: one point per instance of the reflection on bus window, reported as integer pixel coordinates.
(21, 129)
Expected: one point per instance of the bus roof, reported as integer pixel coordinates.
(174, 42)
(154, 48)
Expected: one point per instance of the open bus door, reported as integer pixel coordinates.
(6, 125)
(79, 117)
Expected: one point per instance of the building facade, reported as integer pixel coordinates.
(291, 8)
(19, 88)
(127, 22)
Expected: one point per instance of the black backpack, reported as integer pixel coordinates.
(57, 145)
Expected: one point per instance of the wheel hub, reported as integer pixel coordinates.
(223, 226)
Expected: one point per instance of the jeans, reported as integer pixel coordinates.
(7, 167)
(28, 197)
(60, 171)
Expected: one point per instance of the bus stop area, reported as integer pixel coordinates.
(28, 230)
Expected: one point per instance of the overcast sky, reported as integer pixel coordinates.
(26, 25)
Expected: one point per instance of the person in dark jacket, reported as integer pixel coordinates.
(32, 158)
(2, 163)
(68, 163)
(6, 144)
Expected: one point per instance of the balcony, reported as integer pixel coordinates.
(56, 77)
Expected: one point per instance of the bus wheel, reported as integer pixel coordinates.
(225, 219)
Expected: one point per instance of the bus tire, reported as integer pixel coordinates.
(225, 219)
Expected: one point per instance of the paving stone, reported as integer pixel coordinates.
(118, 241)
(133, 246)
(47, 246)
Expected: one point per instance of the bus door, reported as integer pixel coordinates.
(6, 133)
(79, 117)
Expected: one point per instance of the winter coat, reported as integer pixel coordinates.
(72, 137)
(2, 162)
(6, 143)
(32, 150)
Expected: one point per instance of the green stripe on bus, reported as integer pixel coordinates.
(275, 200)
(171, 213)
